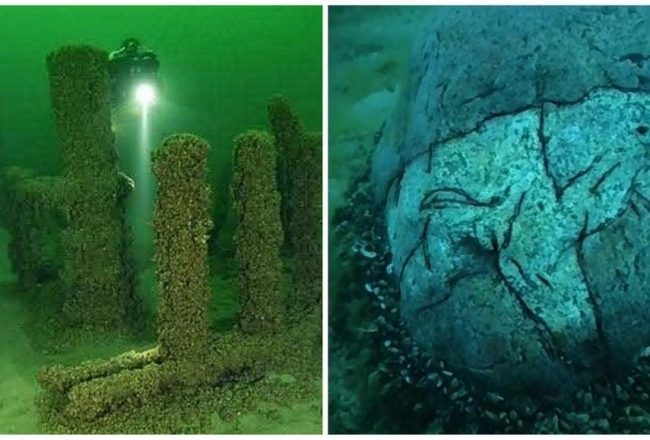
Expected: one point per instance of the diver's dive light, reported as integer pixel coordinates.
(145, 94)
(133, 72)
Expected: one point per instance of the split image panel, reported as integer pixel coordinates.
(488, 195)
(160, 236)
(161, 219)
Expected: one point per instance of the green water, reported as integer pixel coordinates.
(219, 68)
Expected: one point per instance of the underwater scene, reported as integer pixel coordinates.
(489, 197)
(161, 219)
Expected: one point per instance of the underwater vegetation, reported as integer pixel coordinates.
(194, 379)
(495, 246)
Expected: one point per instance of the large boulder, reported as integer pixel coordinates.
(516, 180)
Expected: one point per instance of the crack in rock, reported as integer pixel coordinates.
(508, 208)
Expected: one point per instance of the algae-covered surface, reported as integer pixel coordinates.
(22, 358)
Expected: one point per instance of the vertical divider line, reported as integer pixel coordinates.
(325, 131)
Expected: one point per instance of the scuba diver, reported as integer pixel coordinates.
(129, 66)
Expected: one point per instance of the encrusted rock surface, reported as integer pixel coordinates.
(472, 64)
(515, 176)
(96, 275)
(520, 247)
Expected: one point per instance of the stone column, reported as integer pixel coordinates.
(181, 224)
(29, 213)
(95, 274)
(305, 222)
(259, 233)
(287, 131)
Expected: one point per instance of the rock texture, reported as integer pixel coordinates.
(259, 233)
(96, 275)
(519, 192)
(305, 223)
(181, 226)
(472, 64)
